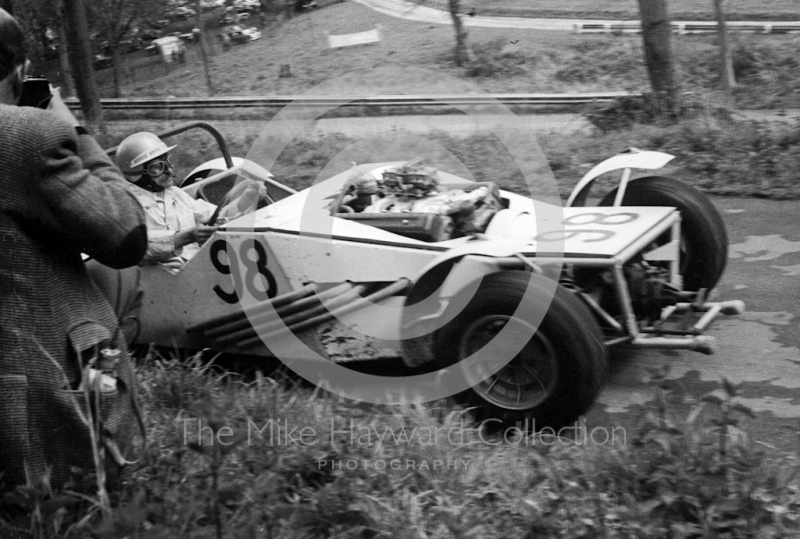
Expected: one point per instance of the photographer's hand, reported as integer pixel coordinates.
(60, 108)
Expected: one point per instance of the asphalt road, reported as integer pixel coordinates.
(404, 9)
(759, 349)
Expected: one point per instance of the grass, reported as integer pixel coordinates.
(277, 460)
(538, 62)
(625, 9)
(720, 155)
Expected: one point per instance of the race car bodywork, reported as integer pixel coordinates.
(326, 264)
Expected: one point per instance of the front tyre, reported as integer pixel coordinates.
(704, 240)
(556, 376)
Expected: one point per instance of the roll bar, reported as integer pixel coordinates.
(172, 131)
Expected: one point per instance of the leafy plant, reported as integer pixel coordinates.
(221, 463)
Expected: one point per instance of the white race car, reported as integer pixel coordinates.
(398, 259)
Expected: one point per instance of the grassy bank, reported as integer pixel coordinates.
(550, 62)
(721, 156)
(279, 461)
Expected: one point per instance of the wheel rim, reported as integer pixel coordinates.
(528, 379)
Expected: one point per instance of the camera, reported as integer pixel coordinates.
(35, 93)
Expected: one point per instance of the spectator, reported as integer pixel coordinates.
(61, 196)
(175, 220)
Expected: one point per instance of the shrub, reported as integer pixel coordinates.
(677, 476)
(599, 59)
(498, 57)
(727, 157)
(648, 109)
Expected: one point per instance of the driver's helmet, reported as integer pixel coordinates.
(138, 149)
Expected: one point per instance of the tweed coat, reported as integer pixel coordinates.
(60, 195)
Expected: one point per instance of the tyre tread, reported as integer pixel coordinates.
(700, 220)
(576, 336)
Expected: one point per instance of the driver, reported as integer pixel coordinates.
(175, 221)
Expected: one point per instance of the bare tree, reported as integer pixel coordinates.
(63, 56)
(115, 19)
(40, 18)
(463, 51)
(202, 37)
(35, 16)
(657, 36)
(80, 54)
(726, 75)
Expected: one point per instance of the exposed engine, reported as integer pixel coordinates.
(413, 188)
(648, 286)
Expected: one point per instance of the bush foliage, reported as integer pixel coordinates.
(716, 152)
(693, 476)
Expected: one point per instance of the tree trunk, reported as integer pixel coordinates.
(41, 32)
(63, 59)
(726, 75)
(201, 37)
(463, 52)
(116, 58)
(80, 55)
(657, 36)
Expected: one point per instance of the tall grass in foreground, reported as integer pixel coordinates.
(263, 458)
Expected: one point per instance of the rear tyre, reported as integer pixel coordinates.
(704, 240)
(556, 376)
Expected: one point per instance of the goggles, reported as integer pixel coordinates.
(157, 168)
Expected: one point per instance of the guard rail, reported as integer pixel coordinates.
(699, 27)
(139, 103)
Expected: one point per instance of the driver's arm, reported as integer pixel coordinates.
(165, 244)
(162, 245)
(199, 234)
(203, 210)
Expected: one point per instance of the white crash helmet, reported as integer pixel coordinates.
(138, 149)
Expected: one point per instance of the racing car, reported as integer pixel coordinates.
(400, 259)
